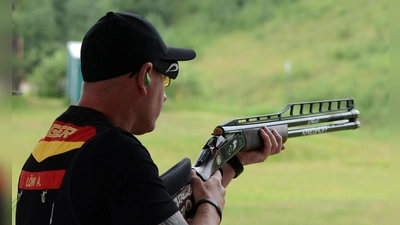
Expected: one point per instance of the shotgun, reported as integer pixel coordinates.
(241, 134)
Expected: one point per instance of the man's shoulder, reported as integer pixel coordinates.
(118, 137)
(117, 142)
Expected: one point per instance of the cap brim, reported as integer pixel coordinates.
(179, 54)
(168, 68)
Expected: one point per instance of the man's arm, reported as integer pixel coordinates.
(205, 214)
(176, 219)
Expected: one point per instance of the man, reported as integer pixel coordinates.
(89, 168)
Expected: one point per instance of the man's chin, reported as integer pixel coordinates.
(144, 131)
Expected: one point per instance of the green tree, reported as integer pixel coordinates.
(34, 31)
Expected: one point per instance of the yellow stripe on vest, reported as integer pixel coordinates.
(46, 149)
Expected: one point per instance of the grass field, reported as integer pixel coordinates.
(337, 178)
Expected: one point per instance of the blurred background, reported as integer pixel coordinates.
(253, 57)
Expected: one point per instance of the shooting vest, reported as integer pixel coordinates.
(47, 170)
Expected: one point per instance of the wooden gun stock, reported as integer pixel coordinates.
(241, 134)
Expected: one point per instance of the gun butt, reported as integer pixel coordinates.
(178, 176)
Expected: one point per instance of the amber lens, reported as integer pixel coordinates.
(167, 80)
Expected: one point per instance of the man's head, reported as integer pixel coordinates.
(120, 43)
(127, 44)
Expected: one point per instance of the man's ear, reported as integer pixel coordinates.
(143, 77)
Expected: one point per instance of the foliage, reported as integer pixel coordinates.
(48, 79)
(336, 49)
(47, 28)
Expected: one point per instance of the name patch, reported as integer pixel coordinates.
(41, 180)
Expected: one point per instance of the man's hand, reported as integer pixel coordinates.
(272, 145)
(210, 189)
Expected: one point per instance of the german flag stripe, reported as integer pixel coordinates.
(41, 180)
(61, 138)
(69, 132)
(46, 149)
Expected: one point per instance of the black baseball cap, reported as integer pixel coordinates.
(122, 42)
